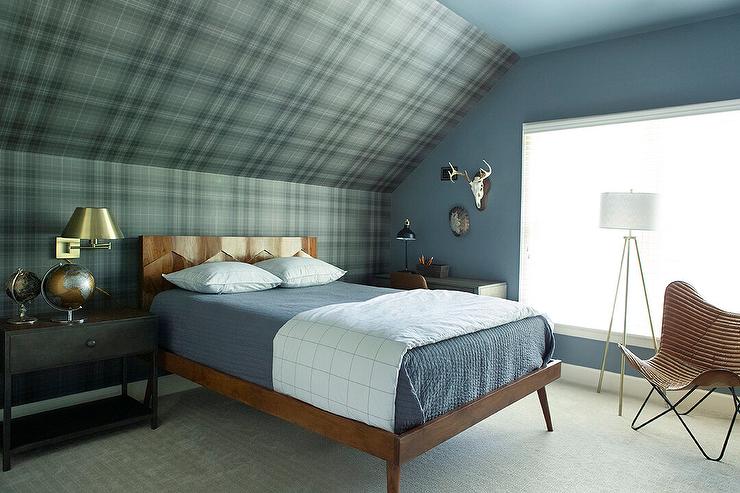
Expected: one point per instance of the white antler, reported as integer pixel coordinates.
(455, 172)
(485, 174)
(478, 185)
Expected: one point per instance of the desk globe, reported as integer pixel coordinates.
(66, 287)
(22, 287)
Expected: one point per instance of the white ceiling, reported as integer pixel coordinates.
(535, 26)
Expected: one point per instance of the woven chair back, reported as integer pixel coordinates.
(697, 333)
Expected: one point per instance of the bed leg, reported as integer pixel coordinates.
(542, 394)
(393, 471)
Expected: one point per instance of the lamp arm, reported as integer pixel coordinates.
(95, 244)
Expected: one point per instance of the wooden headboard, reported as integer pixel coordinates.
(165, 254)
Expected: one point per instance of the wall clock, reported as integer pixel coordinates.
(459, 220)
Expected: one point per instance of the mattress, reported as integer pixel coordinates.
(233, 333)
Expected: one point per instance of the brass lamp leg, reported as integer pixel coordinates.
(624, 327)
(626, 251)
(611, 320)
(644, 290)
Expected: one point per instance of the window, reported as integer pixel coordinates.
(689, 155)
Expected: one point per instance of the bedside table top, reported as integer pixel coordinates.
(90, 318)
(104, 335)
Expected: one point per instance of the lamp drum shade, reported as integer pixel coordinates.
(91, 223)
(627, 210)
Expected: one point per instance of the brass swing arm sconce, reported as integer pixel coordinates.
(70, 247)
(91, 224)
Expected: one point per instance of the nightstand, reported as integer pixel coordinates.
(106, 335)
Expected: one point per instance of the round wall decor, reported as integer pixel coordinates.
(459, 220)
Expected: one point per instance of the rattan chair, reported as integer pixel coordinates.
(407, 280)
(699, 348)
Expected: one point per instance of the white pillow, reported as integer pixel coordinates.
(223, 277)
(301, 272)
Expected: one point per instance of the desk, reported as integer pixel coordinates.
(497, 289)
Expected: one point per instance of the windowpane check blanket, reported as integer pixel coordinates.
(345, 358)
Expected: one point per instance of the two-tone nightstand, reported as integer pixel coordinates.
(497, 289)
(106, 335)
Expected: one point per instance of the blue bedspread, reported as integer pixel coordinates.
(233, 333)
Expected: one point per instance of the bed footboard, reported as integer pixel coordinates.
(395, 449)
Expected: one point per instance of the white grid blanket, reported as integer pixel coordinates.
(345, 358)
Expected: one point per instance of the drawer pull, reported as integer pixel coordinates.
(90, 343)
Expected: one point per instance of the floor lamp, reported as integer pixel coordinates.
(627, 211)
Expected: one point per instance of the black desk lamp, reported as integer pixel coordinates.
(406, 235)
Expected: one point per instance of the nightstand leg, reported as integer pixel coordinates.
(124, 376)
(155, 392)
(7, 418)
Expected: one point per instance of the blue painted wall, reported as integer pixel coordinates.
(688, 64)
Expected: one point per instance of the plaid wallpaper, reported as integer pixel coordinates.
(39, 193)
(339, 93)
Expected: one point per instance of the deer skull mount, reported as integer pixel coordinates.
(480, 185)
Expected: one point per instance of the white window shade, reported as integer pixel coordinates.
(691, 160)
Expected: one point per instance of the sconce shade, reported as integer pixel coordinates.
(90, 223)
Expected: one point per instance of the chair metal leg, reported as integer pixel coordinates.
(640, 412)
(672, 407)
(727, 437)
(698, 402)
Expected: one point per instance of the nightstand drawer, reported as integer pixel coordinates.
(70, 344)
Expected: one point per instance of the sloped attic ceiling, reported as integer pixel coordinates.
(339, 93)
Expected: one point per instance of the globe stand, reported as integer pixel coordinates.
(69, 319)
(22, 317)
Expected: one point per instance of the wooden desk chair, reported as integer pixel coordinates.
(408, 280)
(700, 347)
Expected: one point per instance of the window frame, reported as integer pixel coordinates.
(592, 121)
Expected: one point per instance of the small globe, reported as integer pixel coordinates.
(67, 286)
(23, 286)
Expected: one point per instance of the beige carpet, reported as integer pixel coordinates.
(211, 444)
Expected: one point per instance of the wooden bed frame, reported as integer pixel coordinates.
(165, 254)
